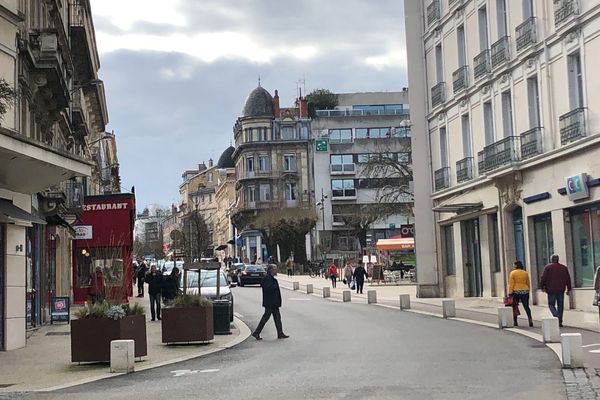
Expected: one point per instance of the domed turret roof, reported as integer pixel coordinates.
(226, 161)
(259, 104)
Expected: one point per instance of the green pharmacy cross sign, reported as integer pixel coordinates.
(321, 145)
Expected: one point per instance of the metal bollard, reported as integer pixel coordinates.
(309, 288)
(122, 353)
(346, 296)
(296, 285)
(326, 292)
(505, 317)
(550, 330)
(448, 308)
(405, 301)
(572, 352)
(371, 296)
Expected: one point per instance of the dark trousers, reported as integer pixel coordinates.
(155, 305)
(140, 285)
(265, 318)
(359, 285)
(333, 280)
(522, 298)
(557, 299)
(290, 272)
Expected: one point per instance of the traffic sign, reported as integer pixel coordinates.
(321, 145)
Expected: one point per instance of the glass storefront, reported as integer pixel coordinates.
(585, 236)
(544, 244)
(2, 253)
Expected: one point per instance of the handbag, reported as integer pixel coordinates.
(344, 281)
(508, 301)
(596, 299)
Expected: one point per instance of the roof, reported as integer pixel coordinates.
(259, 104)
(226, 159)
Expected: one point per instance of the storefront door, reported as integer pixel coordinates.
(517, 216)
(473, 274)
(544, 244)
(585, 233)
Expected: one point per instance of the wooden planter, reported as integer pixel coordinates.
(187, 324)
(91, 337)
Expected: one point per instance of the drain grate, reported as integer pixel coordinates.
(58, 333)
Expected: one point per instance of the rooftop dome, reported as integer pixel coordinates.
(259, 104)
(226, 161)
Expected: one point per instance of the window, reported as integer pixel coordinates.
(250, 194)
(210, 177)
(263, 163)
(340, 135)
(288, 133)
(249, 164)
(449, 250)
(343, 188)
(264, 192)
(544, 244)
(502, 18)
(495, 243)
(290, 191)
(403, 157)
(342, 163)
(289, 162)
(361, 133)
(439, 64)
(527, 9)
(402, 131)
(262, 134)
(533, 99)
(466, 136)
(304, 130)
(488, 122)
(443, 147)
(462, 47)
(483, 29)
(585, 236)
(507, 117)
(363, 158)
(575, 81)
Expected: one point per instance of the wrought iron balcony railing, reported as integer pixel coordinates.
(499, 154)
(564, 9)
(464, 169)
(572, 126)
(433, 12)
(442, 178)
(482, 64)
(500, 52)
(438, 94)
(526, 34)
(460, 79)
(531, 143)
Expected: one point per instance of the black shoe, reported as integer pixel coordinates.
(282, 336)
(560, 325)
(153, 319)
(256, 336)
(158, 318)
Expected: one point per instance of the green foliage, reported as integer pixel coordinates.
(190, 300)
(97, 310)
(116, 312)
(321, 99)
(105, 310)
(7, 97)
(135, 309)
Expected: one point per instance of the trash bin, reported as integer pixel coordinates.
(221, 315)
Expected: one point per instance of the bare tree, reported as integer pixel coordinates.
(197, 235)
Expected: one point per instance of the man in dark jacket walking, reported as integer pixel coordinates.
(359, 277)
(555, 279)
(155, 284)
(141, 275)
(271, 303)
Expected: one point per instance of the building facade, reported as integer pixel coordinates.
(505, 141)
(362, 127)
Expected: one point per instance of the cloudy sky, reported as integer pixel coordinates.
(177, 72)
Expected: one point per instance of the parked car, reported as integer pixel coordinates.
(208, 286)
(251, 274)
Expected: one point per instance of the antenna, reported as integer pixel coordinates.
(300, 87)
(259, 80)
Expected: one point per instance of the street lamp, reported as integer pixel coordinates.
(321, 205)
(105, 136)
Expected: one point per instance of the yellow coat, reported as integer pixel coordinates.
(518, 280)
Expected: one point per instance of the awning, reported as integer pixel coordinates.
(397, 244)
(221, 247)
(11, 214)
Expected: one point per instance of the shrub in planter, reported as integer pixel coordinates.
(97, 325)
(187, 318)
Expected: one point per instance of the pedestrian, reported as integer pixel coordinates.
(171, 285)
(97, 286)
(555, 279)
(518, 288)
(332, 271)
(597, 289)
(348, 274)
(141, 275)
(154, 279)
(271, 303)
(289, 265)
(359, 277)
(402, 268)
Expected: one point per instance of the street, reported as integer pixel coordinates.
(349, 351)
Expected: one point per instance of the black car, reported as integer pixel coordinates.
(251, 274)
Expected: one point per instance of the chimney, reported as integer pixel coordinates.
(173, 209)
(201, 167)
(303, 108)
(276, 108)
(210, 163)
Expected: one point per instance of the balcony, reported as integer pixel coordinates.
(503, 152)
(460, 79)
(360, 112)
(83, 38)
(526, 34)
(572, 126)
(433, 12)
(342, 169)
(464, 169)
(438, 94)
(563, 10)
(442, 178)
(501, 52)
(531, 143)
(482, 64)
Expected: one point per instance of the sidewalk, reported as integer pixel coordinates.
(46, 361)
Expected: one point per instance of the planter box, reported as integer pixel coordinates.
(187, 324)
(91, 337)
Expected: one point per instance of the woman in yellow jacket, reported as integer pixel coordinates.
(518, 288)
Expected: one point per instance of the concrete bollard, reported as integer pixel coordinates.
(505, 317)
(405, 301)
(572, 352)
(346, 296)
(122, 354)
(371, 296)
(296, 285)
(448, 308)
(326, 292)
(550, 330)
(309, 288)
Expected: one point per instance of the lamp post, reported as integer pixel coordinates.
(321, 205)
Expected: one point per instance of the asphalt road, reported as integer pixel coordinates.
(348, 351)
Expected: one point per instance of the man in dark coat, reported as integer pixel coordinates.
(141, 275)
(155, 284)
(555, 280)
(271, 303)
(359, 277)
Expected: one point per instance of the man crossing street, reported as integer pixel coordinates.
(271, 303)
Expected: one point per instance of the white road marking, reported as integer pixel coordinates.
(183, 372)
(594, 351)
(591, 345)
(299, 299)
(238, 315)
(210, 370)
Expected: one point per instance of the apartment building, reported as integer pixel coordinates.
(47, 146)
(362, 126)
(506, 144)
